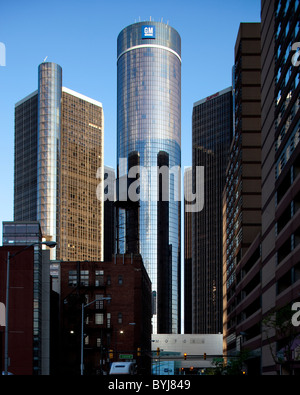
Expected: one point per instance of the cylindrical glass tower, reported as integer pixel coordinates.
(149, 129)
(49, 110)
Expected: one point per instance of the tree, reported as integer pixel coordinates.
(233, 367)
(281, 335)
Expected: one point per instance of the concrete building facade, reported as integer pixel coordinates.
(242, 196)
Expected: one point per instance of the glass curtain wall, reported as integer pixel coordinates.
(49, 111)
(149, 124)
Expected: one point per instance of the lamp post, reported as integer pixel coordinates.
(50, 244)
(83, 306)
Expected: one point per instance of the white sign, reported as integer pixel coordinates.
(2, 314)
(148, 31)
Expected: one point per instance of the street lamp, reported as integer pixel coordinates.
(50, 244)
(83, 306)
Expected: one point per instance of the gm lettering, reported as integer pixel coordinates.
(148, 31)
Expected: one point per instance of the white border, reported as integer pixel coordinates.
(26, 98)
(213, 96)
(80, 96)
(149, 46)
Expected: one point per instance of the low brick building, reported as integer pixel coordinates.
(29, 309)
(114, 329)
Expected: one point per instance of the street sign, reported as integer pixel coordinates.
(126, 356)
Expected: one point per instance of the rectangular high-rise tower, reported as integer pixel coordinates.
(280, 267)
(212, 133)
(59, 166)
(242, 193)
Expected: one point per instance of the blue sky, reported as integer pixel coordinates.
(81, 36)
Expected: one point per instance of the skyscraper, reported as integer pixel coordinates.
(242, 194)
(149, 135)
(58, 153)
(280, 267)
(212, 133)
(263, 281)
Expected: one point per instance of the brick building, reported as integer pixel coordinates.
(29, 326)
(265, 281)
(114, 329)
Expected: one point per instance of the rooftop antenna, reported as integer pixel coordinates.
(45, 59)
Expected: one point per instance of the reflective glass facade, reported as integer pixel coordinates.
(81, 210)
(149, 124)
(25, 175)
(212, 124)
(49, 115)
(59, 137)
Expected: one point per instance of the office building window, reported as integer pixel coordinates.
(84, 278)
(99, 278)
(99, 319)
(72, 278)
(120, 318)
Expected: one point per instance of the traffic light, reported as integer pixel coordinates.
(139, 351)
(204, 356)
(158, 351)
(111, 354)
(184, 356)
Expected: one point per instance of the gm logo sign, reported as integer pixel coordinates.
(148, 31)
